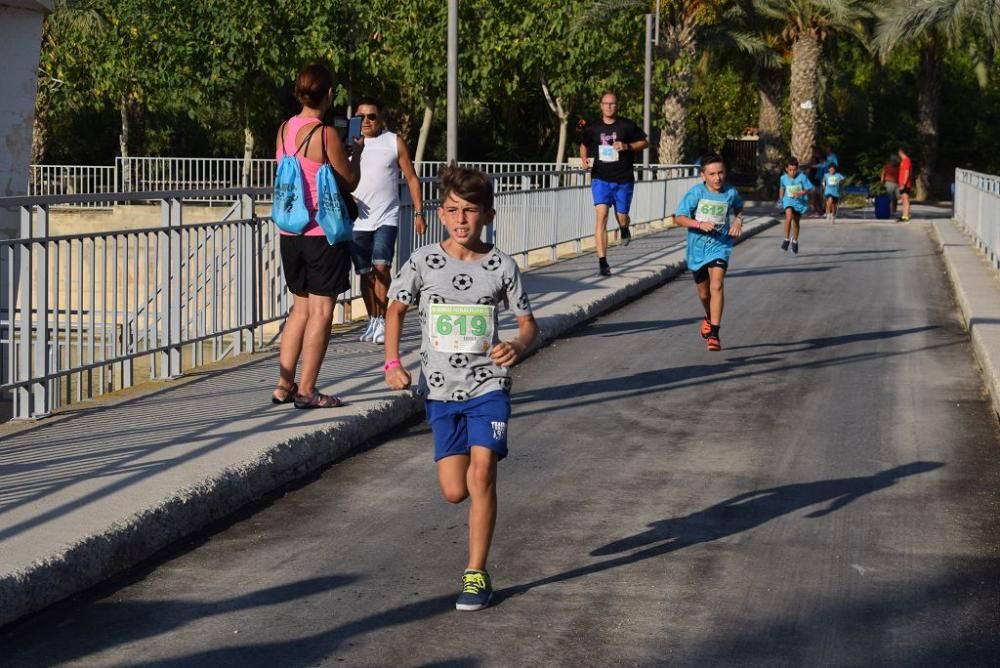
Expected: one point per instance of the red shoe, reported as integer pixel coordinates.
(714, 344)
(706, 328)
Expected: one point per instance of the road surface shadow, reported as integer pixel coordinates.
(750, 509)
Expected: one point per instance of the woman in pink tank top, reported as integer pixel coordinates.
(315, 272)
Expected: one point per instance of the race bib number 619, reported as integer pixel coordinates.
(460, 328)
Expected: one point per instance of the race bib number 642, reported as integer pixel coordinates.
(460, 328)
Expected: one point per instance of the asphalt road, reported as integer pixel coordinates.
(824, 492)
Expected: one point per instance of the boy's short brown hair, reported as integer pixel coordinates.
(469, 184)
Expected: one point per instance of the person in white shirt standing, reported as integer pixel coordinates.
(377, 225)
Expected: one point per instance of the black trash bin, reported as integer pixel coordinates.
(882, 209)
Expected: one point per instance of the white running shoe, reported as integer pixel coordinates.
(370, 331)
(378, 334)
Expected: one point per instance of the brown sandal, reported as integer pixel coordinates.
(290, 394)
(317, 400)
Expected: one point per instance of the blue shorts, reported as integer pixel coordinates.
(459, 425)
(377, 247)
(618, 195)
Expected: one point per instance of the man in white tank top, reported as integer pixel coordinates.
(377, 195)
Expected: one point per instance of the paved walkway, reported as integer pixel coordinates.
(92, 491)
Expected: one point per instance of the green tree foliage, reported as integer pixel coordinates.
(214, 77)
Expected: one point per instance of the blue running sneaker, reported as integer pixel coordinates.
(625, 235)
(476, 591)
(795, 246)
(784, 245)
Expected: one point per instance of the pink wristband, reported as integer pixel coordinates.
(391, 364)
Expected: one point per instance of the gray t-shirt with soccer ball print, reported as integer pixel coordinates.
(457, 305)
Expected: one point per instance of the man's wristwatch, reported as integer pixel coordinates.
(418, 213)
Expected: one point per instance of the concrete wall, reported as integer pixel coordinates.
(20, 43)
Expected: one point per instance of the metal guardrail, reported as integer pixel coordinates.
(977, 206)
(45, 180)
(85, 314)
(149, 174)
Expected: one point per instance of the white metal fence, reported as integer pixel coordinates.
(977, 206)
(85, 314)
(46, 180)
(148, 174)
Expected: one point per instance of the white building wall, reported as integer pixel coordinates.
(20, 42)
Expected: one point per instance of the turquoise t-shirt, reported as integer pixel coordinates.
(792, 187)
(832, 183)
(704, 205)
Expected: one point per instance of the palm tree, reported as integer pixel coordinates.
(806, 25)
(753, 44)
(934, 24)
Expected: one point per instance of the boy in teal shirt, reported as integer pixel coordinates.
(711, 212)
(832, 181)
(794, 194)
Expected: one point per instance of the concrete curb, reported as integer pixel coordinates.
(85, 563)
(977, 288)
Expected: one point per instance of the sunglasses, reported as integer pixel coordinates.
(370, 117)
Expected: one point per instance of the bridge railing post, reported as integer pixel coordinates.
(170, 287)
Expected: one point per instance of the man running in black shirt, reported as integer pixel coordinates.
(613, 142)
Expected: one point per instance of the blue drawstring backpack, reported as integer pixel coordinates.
(289, 208)
(332, 214)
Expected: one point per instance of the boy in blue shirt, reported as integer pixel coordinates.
(711, 212)
(832, 181)
(794, 195)
(459, 285)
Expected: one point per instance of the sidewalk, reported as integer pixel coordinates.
(977, 289)
(94, 490)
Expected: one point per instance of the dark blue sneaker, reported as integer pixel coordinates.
(625, 235)
(476, 591)
(784, 245)
(795, 246)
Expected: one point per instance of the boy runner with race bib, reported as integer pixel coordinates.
(711, 212)
(458, 286)
(794, 188)
(832, 181)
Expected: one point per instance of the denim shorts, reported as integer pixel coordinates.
(459, 425)
(377, 247)
(608, 193)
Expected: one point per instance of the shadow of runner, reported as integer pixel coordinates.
(751, 509)
(732, 516)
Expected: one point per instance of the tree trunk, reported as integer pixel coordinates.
(770, 147)
(248, 144)
(123, 144)
(39, 138)
(928, 115)
(680, 48)
(805, 67)
(555, 104)
(425, 130)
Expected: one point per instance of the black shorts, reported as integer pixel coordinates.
(313, 267)
(908, 190)
(701, 273)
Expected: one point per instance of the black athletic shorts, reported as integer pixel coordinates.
(701, 274)
(313, 267)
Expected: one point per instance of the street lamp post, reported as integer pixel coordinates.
(647, 91)
(452, 154)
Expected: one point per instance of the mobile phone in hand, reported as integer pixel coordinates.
(353, 130)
